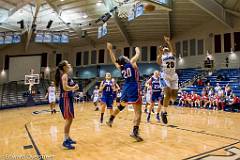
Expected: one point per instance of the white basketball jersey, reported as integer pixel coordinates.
(149, 92)
(168, 63)
(51, 91)
(96, 93)
(51, 94)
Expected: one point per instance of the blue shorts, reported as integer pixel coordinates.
(156, 97)
(66, 106)
(108, 101)
(114, 95)
(131, 93)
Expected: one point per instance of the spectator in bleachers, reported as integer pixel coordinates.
(233, 104)
(208, 87)
(211, 92)
(196, 100)
(199, 82)
(217, 88)
(183, 96)
(220, 92)
(228, 90)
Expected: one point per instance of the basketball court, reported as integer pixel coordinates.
(37, 35)
(191, 134)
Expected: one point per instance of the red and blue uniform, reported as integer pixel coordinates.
(66, 100)
(131, 88)
(107, 94)
(156, 89)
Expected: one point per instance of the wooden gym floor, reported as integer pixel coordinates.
(190, 134)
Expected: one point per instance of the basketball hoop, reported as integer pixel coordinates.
(126, 7)
(31, 80)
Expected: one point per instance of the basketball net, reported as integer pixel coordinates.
(126, 7)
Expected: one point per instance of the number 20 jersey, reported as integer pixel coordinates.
(129, 73)
(168, 63)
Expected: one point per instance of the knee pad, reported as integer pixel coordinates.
(120, 107)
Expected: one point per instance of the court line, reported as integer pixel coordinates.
(33, 143)
(210, 151)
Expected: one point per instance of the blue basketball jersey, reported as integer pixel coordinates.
(108, 89)
(68, 93)
(155, 84)
(129, 73)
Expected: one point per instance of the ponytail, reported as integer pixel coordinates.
(58, 72)
(57, 77)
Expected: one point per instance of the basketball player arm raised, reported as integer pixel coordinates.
(135, 57)
(112, 55)
(159, 56)
(167, 40)
(66, 87)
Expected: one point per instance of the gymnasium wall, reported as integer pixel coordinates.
(91, 72)
(206, 32)
(34, 48)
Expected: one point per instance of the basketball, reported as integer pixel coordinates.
(149, 8)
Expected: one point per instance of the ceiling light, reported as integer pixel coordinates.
(99, 3)
(85, 16)
(61, 0)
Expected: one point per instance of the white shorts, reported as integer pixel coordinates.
(95, 99)
(52, 99)
(170, 81)
(148, 99)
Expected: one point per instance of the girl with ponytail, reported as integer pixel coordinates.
(67, 87)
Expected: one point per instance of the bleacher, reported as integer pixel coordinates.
(232, 77)
(13, 94)
(186, 75)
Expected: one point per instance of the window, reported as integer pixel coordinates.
(85, 57)
(192, 47)
(178, 49)
(163, 1)
(127, 52)
(133, 51)
(217, 43)
(185, 48)
(227, 42)
(79, 59)
(236, 41)
(144, 54)
(101, 56)
(200, 47)
(93, 57)
(44, 60)
(153, 53)
(58, 59)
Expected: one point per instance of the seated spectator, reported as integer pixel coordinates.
(220, 92)
(199, 82)
(233, 104)
(211, 92)
(228, 90)
(183, 96)
(208, 87)
(217, 88)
